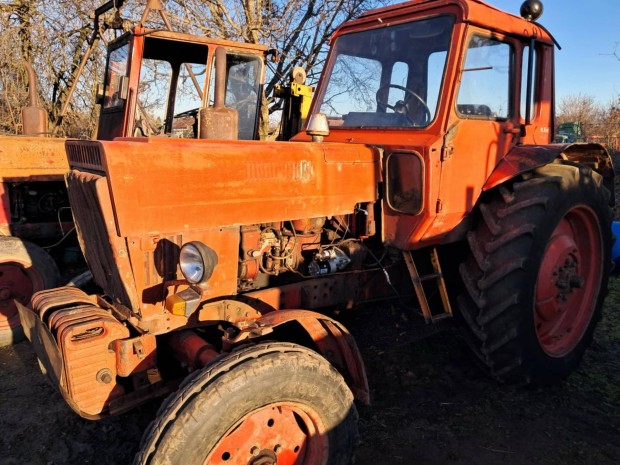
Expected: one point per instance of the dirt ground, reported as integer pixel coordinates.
(430, 405)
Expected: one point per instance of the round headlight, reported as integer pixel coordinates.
(197, 262)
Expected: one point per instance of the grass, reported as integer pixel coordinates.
(599, 374)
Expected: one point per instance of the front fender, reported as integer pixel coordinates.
(331, 339)
(524, 158)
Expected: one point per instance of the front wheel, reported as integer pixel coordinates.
(537, 273)
(25, 268)
(266, 404)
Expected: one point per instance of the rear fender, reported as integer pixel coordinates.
(528, 157)
(331, 339)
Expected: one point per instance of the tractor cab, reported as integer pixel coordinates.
(449, 90)
(157, 81)
(419, 68)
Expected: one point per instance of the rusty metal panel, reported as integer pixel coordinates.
(73, 348)
(48, 300)
(44, 344)
(333, 341)
(90, 368)
(32, 158)
(526, 158)
(521, 159)
(135, 354)
(179, 185)
(84, 155)
(155, 271)
(105, 253)
(330, 290)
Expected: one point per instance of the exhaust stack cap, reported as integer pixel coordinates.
(531, 10)
(318, 127)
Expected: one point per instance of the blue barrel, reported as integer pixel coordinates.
(615, 252)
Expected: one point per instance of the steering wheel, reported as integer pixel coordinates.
(384, 105)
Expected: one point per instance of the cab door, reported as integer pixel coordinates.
(116, 99)
(484, 123)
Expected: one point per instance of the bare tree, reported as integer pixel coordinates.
(609, 125)
(13, 81)
(582, 109)
(53, 36)
(298, 29)
(600, 123)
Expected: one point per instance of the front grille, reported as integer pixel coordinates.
(95, 238)
(84, 154)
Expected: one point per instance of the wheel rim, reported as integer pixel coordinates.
(18, 281)
(568, 282)
(282, 433)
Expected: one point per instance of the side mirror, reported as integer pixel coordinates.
(273, 54)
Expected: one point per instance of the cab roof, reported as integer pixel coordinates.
(475, 12)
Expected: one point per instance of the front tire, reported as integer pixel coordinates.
(25, 268)
(272, 401)
(537, 273)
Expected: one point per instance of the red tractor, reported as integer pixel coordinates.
(425, 174)
(34, 213)
(35, 217)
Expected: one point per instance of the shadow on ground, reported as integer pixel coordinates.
(431, 405)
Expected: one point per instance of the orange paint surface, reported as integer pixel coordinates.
(161, 185)
(32, 158)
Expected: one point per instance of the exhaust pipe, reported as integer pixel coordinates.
(34, 118)
(218, 121)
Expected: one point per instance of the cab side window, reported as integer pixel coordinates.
(524, 71)
(485, 85)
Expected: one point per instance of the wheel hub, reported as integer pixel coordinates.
(264, 457)
(558, 272)
(16, 283)
(282, 434)
(568, 280)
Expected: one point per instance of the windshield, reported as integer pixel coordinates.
(172, 81)
(243, 80)
(387, 77)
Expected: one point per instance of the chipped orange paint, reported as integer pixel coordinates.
(32, 159)
(181, 195)
(193, 184)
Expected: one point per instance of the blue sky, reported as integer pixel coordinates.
(587, 31)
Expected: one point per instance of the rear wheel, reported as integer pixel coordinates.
(537, 273)
(266, 404)
(25, 268)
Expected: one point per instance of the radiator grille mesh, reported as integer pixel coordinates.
(84, 154)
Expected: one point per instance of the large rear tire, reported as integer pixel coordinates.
(537, 273)
(272, 401)
(25, 268)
